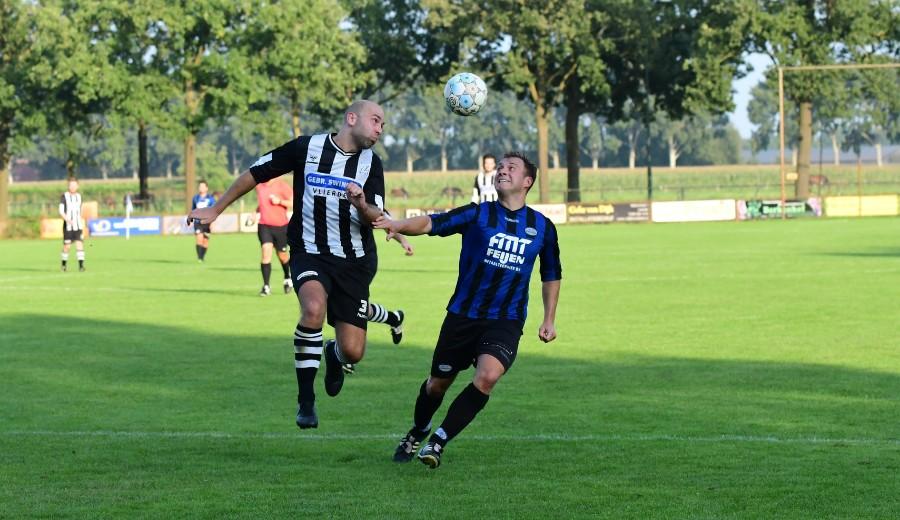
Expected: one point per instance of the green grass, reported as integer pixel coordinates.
(722, 370)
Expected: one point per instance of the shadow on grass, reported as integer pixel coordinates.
(229, 292)
(882, 253)
(82, 374)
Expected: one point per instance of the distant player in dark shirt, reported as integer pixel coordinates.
(500, 242)
(201, 231)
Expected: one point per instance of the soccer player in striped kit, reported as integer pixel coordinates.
(500, 242)
(338, 193)
(70, 211)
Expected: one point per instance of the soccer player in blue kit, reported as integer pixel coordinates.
(500, 242)
(202, 200)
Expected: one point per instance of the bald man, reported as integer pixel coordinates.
(338, 193)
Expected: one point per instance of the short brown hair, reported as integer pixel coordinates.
(530, 168)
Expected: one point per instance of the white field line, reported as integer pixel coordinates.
(541, 437)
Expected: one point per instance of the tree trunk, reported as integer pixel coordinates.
(169, 165)
(836, 150)
(804, 154)
(232, 152)
(673, 152)
(104, 172)
(541, 117)
(295, 119)
(409, 160)
(595, 161)
(70, 167)
(632, 151)
(190, 144)
(4, 188)
(554, 156)
(190, 165)
(878, 158)
(443, 156)
(143, 162)
(573, 153)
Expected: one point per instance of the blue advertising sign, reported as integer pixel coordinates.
(116, 226)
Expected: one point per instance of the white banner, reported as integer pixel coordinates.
(694, 210)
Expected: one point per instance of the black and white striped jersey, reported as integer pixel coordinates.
(324, 222)
(70, 211)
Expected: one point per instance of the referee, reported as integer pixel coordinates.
(274, 199)
(338, 193)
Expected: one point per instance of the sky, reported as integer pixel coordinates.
(741, 92)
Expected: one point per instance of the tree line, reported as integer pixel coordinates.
(81, 79)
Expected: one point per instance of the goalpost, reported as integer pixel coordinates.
(806, 68)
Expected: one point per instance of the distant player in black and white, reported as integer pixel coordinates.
(70, 211)
(202, 200)
(338, 193)
(483, 190)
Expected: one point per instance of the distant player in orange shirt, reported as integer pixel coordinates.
(275, 198)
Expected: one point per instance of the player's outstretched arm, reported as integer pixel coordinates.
(550, 295)
(239, 187)
(408, 226)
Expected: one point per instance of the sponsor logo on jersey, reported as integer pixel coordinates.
(506, 251)
(445, 368)
(530, 231)
(328, 185)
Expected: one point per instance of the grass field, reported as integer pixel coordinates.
(723, 370)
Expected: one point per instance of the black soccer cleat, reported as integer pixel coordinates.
(430, 454)
(334, 371)
(306, 415)
(265, 291)
(81, 269)
(63, 268)
(397, 332)
(288, 285)
(409, 444)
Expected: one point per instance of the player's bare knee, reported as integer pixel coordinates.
(485, 380)
(436, 387)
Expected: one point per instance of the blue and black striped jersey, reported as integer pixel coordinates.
(499, 249)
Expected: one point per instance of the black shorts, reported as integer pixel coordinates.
(276, 235)
(463, 339)
(71, 236)
(201, 228)
(346, 283)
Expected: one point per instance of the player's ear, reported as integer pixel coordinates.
(528, 181)
(351, 118)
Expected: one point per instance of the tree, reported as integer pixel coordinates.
(402, 52)
(22, 43)
(597, 140)
(211, 75)
(677, 57)
(85, 84)
(530, 48)
(821, 32)
(281, 35)
(137, 33)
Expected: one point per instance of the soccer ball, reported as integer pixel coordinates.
(465, 93)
